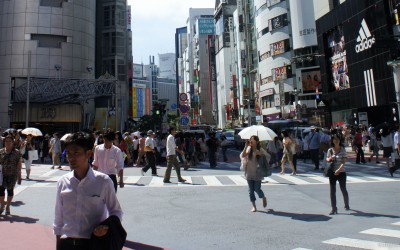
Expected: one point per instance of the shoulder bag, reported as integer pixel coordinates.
(263, 168)
(328, 171)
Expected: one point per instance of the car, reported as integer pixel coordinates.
(229, 135)
(238, 141)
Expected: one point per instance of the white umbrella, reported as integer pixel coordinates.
(263, 133)
(32, 131)
(137, 134)
(65, 137)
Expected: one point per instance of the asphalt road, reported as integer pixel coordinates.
(213, 210)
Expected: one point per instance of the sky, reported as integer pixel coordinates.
(154, 23)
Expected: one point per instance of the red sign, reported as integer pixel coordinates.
(183, 97)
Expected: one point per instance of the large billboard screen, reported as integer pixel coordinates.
(337, 59)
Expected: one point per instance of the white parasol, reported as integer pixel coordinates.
(32, 131)
(65, 137)
(263, 133)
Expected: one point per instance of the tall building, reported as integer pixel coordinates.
(41, 40)
(224, 56)
(356, 40)
(180, 46)
(196, 58)
(112, 37)
(289, 75)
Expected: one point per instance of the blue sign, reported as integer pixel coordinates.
(184, 109)
(206, 26)
(184, 120)
(173, 106)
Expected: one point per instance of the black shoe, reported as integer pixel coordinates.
(378, 162)
(334, 211)
(364, 162)
(391, 171)
(167, 182)
(347, 208)
(316, 168)
(357, 163)
(182, 180)
(369, 159)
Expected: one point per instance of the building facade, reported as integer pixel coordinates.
(44, 39)
(357, 82)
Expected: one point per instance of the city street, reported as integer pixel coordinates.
(212, 211)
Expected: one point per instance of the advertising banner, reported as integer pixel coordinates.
(205, 26)
(137, 71)
(134, 102)
(304, 33)
(310, 80)
(147, 101)
(278, 48)
(338, 59)
(139, 102)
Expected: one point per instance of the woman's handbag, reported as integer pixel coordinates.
(33, 155)
(328, 171)
(263, 169)
(243, 164)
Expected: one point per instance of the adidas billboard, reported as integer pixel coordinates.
(365, 39)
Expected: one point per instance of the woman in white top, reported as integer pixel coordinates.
(287, 152)
(387, 143)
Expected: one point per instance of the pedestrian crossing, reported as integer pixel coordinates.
(379, 239)
(222, 180)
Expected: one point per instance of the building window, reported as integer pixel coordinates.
(278, 22)
(49, 41)
(52, 3)
(109, 16)
(268, 101)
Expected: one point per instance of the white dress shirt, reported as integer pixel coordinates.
(171, 145)
(83, 205)
(396, 139)
(108, 160)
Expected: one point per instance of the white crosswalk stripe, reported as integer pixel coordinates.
(381, 234)
(363, 244)
(231, 180)
(212, 181)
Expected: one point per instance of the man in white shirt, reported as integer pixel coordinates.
(108, 159)
(396, 140)
(171, 157)
(149, 149)
(84, 198)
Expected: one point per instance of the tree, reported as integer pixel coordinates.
(173, 120)
(146, 122)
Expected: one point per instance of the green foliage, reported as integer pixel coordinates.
(146, 122)
(173, 120)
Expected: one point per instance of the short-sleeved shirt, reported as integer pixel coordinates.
(10, 167)
(339, 158)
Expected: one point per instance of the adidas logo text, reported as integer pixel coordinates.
(365, 39)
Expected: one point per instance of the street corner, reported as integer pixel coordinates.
(20, 232)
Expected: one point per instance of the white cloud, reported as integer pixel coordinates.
(154, 23)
